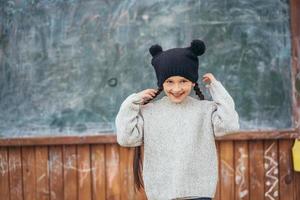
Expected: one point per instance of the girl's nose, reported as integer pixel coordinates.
(177, 88)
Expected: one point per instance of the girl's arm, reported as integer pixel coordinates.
(129, 122)
(224, 116)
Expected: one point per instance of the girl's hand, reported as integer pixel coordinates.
(147, 94)
(208, 78)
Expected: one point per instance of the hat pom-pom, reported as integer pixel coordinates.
(155, 49)
(198, 47)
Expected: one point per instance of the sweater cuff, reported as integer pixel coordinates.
(137, 98)
(132, 102)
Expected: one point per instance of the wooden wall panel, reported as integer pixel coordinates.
(271, 170)
(84, 172)
(29, 173)
(217, 194)
(112, 154)
(56, 174)
(286, 183)
(241, 156)
(256, 170)
(15, 173)
(127, 192)
(42, 173)
(139, 194)
(227, 170)
(297, 186)
(70, 172)
(248, 170)
(98, 171)
(4, 175)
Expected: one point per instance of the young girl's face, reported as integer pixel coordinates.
(177, 88)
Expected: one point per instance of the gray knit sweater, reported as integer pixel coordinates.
(180, 158)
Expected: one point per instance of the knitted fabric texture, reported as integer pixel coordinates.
(180, 157)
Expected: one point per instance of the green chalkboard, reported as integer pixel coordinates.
(67, 65)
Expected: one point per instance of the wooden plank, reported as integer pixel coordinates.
(84, 172)
(261, 135)
(286, 170)
(29, 173)
(98, 171)
(241, 157)
(139, 194)
(4, 175)
(110, 138)
(126, 191)
(70, 172)
(15, 173)
(42, 173)
(217, 194)
(295, 33)
(112, 172)
(126, 173)
(297, 186)
(104, 138)
(295, 70)
(271, 170)
(256, 170)
(56, 173)
(227, 170)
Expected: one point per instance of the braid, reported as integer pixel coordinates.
(137, 159)
(157, 93)
(198, 91)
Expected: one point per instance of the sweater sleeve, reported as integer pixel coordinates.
(225, 119)
(129, 122)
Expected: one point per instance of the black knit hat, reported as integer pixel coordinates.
(177, 61)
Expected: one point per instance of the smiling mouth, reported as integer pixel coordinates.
(177, 95)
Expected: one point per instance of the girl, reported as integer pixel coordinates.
(177, 131)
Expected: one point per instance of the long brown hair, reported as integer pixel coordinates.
(137, 161)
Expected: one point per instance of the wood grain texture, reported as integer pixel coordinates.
(140, 194)
(4, 175)
(286, 183)
(271, 169)
(84, 172)
(241, 158)
(256, 170)
(217, 194)
(98, 171)
(15, 173)
(247, 170)
(295, 59)
(227, 170)
(110, 138)
(127, 191)
(70, 172)
(297, 186)
(113, 190)
(56, 174)
(29, 173)
(42, 173)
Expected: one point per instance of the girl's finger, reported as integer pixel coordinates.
(148, 96)
(150, 92)
(154, 93)
(205, 79)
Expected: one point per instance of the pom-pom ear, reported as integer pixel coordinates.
(197, 47)
(155, 49)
